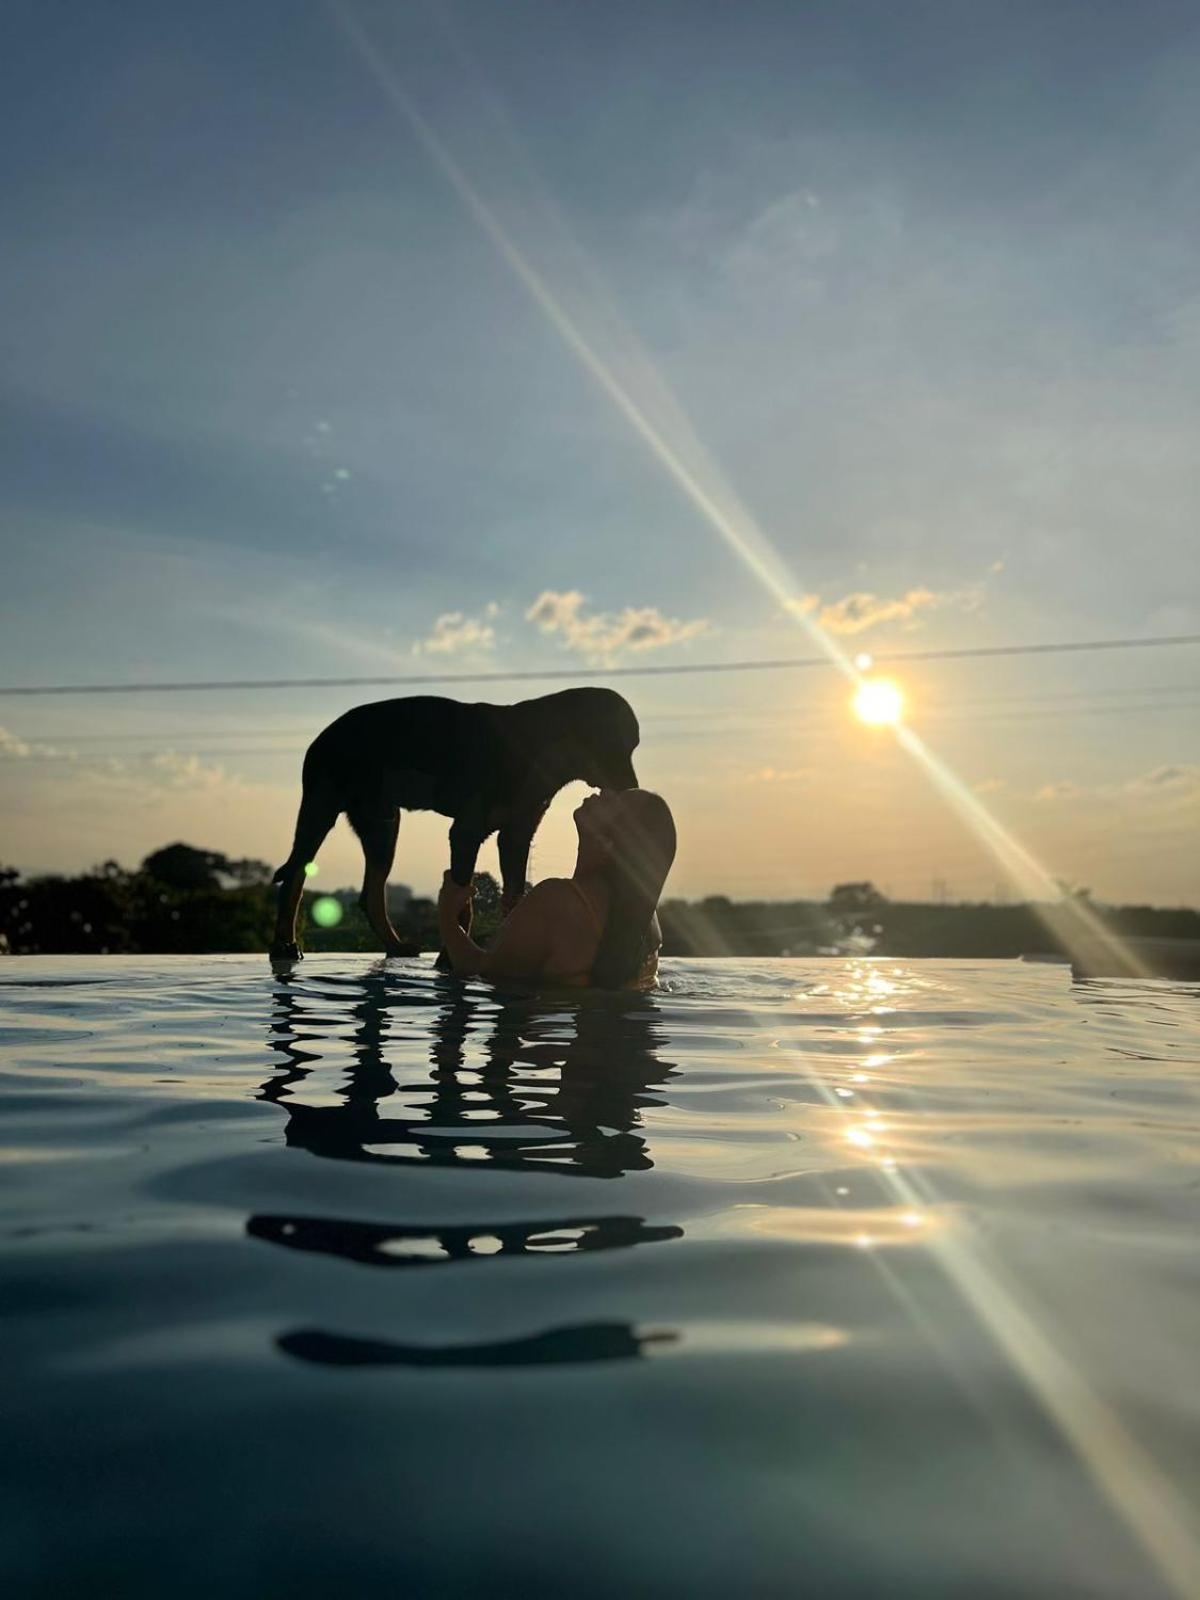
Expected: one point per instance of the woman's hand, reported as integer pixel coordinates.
(454, 899)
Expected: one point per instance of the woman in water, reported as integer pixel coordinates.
(596, 927)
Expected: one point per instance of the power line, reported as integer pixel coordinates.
(810, 725)
(678, 669)
(1092, 699)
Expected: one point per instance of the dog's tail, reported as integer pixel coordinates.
(318, 813)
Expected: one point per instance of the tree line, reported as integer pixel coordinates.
(186, 900)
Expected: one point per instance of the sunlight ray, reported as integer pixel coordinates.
(690, 466)
(1130, 1479)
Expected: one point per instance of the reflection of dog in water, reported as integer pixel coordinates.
(589, 1341)
(530, 1100)
(381, 1244)
(490, 1101)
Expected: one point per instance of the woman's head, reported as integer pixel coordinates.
(630, 838)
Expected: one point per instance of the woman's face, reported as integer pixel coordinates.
(597, 817)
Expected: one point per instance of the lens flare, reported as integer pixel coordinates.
(327, 912)
(879, 703)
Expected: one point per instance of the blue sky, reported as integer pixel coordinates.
(918, 281)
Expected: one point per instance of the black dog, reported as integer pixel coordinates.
(486, 767)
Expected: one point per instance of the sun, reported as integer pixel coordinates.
(879, 703)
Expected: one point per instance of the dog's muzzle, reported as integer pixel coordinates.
(618, 776)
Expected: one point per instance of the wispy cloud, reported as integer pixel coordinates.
(172, 770)
(860, 610)
(139, 776)
(454, 632)
(1172, 778)
(11, 747)
(1163, 786)
(774, 775)
(14, 749)
(602, 635)
(1061, 789)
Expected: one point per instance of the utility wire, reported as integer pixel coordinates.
(1091, 698)
(810, 725)
(677, 669)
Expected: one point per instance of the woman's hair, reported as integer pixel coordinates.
(641, 850)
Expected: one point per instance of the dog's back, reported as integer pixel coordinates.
(422, 733)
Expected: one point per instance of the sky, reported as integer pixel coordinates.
(386, 339)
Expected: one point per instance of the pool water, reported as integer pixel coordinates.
(830, 1278)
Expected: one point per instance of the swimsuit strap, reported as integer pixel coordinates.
(592, 912)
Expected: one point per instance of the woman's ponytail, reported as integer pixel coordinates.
(642, 851)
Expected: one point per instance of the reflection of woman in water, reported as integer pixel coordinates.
(596, 927)
(500, 1062)
(512, 1086)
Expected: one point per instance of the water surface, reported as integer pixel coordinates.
(842, 1278)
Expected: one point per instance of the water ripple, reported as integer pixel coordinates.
(889, 1266)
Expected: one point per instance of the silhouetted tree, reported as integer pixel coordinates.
(487, 895)
(246, 871)
(854, 898)
(182, 866)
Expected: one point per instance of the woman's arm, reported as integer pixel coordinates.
(520, 947)
(465, 955)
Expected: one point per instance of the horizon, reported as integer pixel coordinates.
(439, 347)
(941, 892)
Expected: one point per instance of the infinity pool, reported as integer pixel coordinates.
(829, 1278)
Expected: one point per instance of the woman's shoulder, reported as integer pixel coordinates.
(550, 890)
(565, 903)
(565, 893)
(553, 897)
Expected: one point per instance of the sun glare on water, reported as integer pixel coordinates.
(879, 703)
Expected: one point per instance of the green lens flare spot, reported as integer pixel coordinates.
(327, 912)
(311, 869)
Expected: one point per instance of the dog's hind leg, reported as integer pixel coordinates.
(377, 830)
(318, 813)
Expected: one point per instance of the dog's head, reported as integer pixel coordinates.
(589, 734)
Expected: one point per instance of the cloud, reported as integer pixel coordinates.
(1062, 789)
(603, 634)
(143, 777)
(1166, 785)
(14, 749)
(988, 786)
(856, 612)
(773, 775)
(454, 631)
(1173, 778)
(171, 770)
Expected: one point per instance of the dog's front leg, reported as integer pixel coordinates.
(466, 837)
(513, 842)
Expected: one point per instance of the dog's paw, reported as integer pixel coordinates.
(398, 947)
(286, 952)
